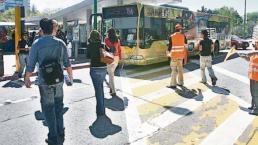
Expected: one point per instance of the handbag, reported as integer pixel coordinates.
(112, 48)
(106, 57)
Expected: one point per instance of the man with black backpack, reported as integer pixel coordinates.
(51, 54)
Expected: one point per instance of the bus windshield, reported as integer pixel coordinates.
(126, 29)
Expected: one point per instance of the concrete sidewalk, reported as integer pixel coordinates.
(20, 115)
(10, 66)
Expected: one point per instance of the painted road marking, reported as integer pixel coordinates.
(149, 71)
(149, 76)
(209, 113)
(148, 128)
(230, 130)
(162, 92)
(151, 87)
(138, 83)
(250, 135)
(152, 108)
(9, 102)
(132, 117)
(228, 73)
(232, 74)
(204, 119)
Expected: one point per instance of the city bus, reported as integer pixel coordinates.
(144, 30)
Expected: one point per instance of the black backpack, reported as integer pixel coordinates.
(52, 71)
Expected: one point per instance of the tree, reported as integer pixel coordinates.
(236, 19)
(205, 10)
(8, 16)
(252, 17)
(34, 9)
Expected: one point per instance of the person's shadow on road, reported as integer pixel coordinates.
(179, 110)
(103, 127)
(14, 84)
(39, 116)
(190, 94)
(219, 90)
(115, 103)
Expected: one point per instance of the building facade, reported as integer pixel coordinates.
(8, 4)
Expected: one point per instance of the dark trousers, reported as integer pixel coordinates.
(254, 93)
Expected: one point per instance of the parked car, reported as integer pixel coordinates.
(238, 42)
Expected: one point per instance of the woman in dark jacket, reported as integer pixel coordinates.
(98, 70)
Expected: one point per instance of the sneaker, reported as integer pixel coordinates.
(49, 142)
(214, 81)
(251, 108)
(171, 87)
(254, 112)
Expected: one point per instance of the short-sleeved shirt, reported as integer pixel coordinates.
(117, 46)
(47, 48)
(206, 47)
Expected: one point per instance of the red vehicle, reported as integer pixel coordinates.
(238, 42)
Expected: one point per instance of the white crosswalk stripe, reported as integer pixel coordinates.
(143, 130)
(230, 130)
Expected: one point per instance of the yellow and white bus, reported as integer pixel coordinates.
(144, 30)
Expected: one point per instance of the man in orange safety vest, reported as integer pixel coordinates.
(177, 51)
(253, 76)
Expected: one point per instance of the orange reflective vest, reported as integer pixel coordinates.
(178, 50)
(253, 68)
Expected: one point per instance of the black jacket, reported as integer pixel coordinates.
(93, 53)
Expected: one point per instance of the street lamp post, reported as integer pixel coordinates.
(95, 12)
(245, 18)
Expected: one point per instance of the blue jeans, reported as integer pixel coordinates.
(22, 59)
(52, 106)
(98, 76)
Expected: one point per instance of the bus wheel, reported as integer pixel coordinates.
(216, 49)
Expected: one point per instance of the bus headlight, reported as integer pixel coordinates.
(137, 57)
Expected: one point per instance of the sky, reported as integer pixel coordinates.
(41, 5)
(252, 5)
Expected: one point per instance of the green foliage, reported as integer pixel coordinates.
(236, 19)
(252, 17)
(8, 16)
(237, 22)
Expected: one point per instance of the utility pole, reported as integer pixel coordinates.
(19, 29)
(95, 16)
(245, 18)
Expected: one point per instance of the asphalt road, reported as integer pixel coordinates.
(143, 112)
